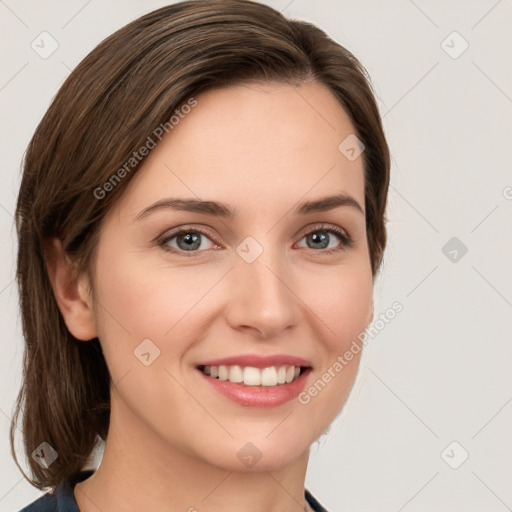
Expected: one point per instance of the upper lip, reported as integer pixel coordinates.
(258, 361)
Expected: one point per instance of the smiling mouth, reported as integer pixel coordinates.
(252, 376)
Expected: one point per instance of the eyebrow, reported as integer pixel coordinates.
(222, 210)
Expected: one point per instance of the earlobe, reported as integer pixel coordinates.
(71, 291)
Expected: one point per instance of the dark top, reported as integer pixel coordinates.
(64, 500)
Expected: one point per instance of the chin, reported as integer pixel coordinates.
(265, 452)
(249, 458)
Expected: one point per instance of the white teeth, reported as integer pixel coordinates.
(236, 374)
(281, 375)
(223, 372)
(269, 376)
(251, 376)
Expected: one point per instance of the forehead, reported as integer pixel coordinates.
(253, 142)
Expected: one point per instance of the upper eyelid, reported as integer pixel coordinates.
(324, 227)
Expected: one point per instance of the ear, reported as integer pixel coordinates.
(71, 290)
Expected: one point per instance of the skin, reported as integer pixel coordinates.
(173, 441)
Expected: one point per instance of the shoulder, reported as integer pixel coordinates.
(313, 503)
(46, 503)
(62, 500)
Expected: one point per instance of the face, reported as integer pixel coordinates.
(272, 285)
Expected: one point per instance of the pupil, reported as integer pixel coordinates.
(190, 240)
(322, 239)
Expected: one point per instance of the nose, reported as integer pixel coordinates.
(262, 298)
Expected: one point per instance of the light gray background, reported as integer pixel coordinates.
(441, 370)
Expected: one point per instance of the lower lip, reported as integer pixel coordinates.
(258, 396)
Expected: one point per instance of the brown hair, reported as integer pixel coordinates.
(131, 83)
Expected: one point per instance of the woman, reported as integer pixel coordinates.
(201, 219)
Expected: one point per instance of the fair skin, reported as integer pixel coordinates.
(173, 440)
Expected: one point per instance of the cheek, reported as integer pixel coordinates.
(344, 306)
(343, 312)
(138, 301)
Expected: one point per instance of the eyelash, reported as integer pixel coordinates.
(346, 241)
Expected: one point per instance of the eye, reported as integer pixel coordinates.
(321, 237)
(189, 241)
(186, 240)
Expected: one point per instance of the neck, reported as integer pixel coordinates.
(141, 471)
